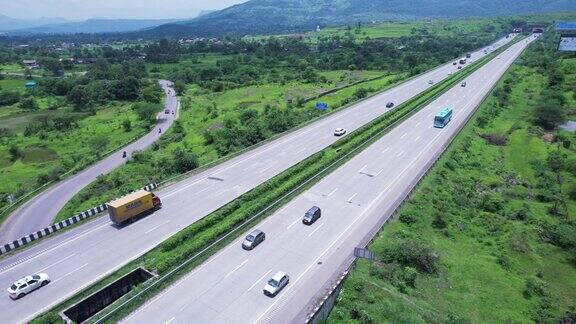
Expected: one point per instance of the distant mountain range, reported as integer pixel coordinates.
(273, 16)
(280, 16)
(9, 23)
(13, 26)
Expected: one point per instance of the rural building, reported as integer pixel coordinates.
(31, 64)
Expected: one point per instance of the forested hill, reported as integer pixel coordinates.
(273, 16)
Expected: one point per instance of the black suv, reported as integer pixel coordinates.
(311, 215)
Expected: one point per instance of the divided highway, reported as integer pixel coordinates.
(354, 199)
(77, 258)
(40, 211)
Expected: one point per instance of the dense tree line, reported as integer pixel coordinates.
(281, 60)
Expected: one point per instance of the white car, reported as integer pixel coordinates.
(27, 285)
(276, 283)
(339, 131)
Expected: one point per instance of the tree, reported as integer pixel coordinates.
(183, 160)
(128, 88)
(179, 87)
(549, 112)
(51, 64)
(15, 152)
(146, 111)
(152, 93)
(79, 97)
(9, 97)
(29, 103)
(361, 93)
(556, 160)
(127, 125)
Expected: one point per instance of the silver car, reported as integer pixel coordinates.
(27, 285)
(253, 239)
(339, 131)
(276, 283)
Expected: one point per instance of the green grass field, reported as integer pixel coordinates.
(9, 83)
(61, 150)
(11, 68)
(493, 266)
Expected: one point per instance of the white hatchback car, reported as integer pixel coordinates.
(339, 131)
(27, 285)
(276, 283)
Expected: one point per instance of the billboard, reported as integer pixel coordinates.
(565, 26)
(567, 43)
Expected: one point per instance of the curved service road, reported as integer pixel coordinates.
(40, 211)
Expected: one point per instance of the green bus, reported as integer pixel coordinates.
(443, 117)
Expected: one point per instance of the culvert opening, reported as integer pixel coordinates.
(96, 302)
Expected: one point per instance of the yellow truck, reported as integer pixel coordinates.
(132, 205)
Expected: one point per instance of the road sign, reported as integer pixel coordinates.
(321, 106)
(363, 253)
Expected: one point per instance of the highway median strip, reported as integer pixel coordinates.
(185, 250)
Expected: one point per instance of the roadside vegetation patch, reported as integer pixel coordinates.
(37, 154)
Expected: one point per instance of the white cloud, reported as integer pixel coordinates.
(83, 9)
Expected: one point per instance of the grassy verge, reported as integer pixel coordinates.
(488, 235)
(188, 247)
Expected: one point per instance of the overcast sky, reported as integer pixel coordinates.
(83, 9)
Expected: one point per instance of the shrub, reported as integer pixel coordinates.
(9, 97)
(439, 222)
(495, 139)
(562, 234)
(492, 202)
(408, 218)
(412, 253)
(504, 262)
(409, 275)
(534, 287)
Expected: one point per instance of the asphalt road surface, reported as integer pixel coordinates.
(227, 288)
(81, 256)
(40, 211)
